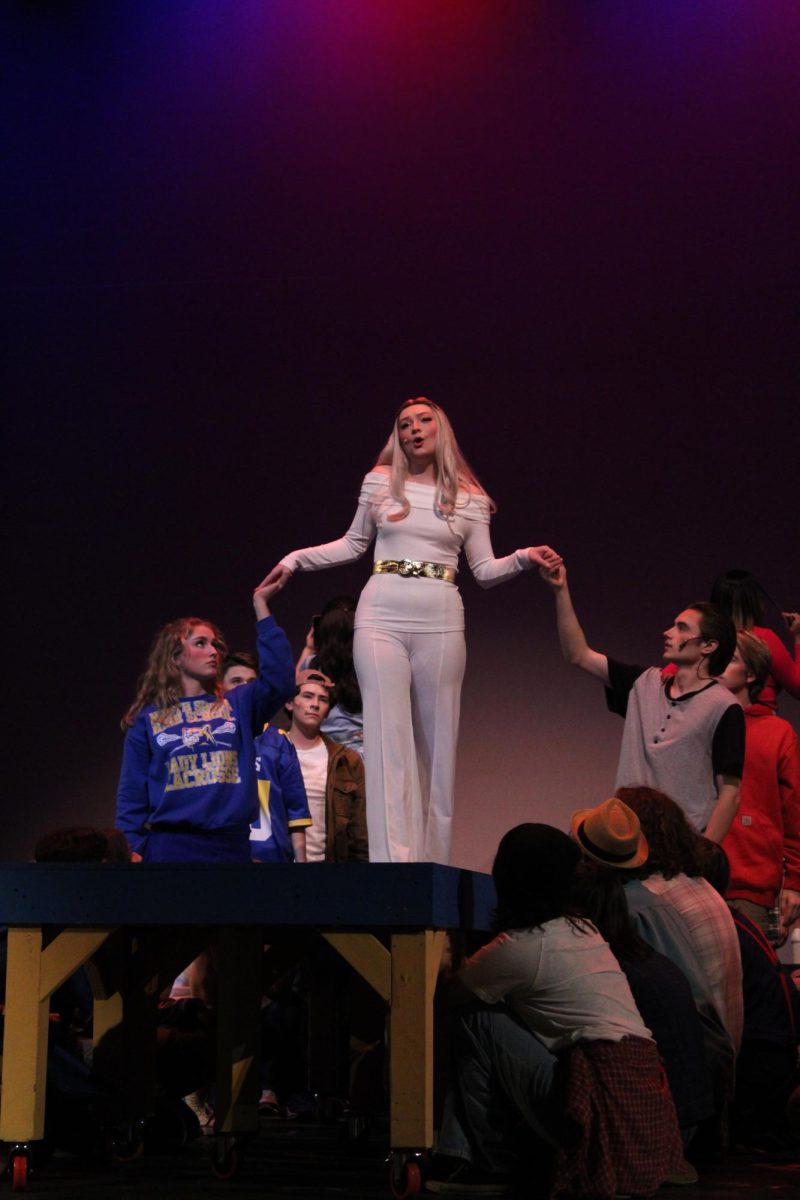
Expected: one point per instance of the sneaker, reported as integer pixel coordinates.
(456, 1177)
(302, 1106)
(683, 1176)
(269, 1105)
(197, 1102)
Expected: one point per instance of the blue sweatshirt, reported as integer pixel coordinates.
(283, 806)
(192, 765)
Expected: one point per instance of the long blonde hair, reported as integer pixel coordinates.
(160, 682)
(452, 469)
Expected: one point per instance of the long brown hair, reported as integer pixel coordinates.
(674, 844)
(160, 682)
(452, 469)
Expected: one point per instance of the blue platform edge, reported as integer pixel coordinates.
(325, 895)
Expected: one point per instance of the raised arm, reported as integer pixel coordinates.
(306, 656)
(262, 596)
(785, 667)
(275, 682)
(345, 549)
(574, 647)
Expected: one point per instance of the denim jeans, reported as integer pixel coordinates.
(502, 1077)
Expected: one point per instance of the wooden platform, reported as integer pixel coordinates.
(135, 927)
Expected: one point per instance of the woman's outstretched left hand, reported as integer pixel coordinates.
(544, 556)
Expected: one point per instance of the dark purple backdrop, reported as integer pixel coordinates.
(238, 234)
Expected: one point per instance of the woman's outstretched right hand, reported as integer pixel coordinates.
(279, 575)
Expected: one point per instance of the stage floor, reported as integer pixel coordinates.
(311, 1162)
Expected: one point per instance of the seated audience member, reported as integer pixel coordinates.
(611, 833)
(549, 1047)
(119, 848)
(684, 733)
(660, 989)
(674, 872)
(333, 777)
(187, 788)
(238, 666)
(329, 649)
(740, 595)
(73, 843)
(763, 843)
(767, 1068)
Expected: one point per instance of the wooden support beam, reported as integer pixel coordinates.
(65, 954)
(368, 957)
(25, 1040)
(415, 964)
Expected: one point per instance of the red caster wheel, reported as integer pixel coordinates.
(227, 1159)
(19, 1165)
(405, 1178)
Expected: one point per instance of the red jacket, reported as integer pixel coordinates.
(763, 844)
(785, 669)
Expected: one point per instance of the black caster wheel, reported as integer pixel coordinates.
(226, 1160)
(126, 1143)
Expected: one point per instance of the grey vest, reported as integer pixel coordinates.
(667, 744)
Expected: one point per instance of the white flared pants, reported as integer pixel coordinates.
(411, 690)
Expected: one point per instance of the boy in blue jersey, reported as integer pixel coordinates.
(279, 834)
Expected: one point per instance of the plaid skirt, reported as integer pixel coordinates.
(618, 1128)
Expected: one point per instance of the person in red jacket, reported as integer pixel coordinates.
(741, 596)
(763, 843)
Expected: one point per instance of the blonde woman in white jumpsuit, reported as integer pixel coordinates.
(422, 504)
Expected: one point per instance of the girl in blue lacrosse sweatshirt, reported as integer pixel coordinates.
(187, 788)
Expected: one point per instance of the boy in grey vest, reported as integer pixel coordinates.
(684, 732)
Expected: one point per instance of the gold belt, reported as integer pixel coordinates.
(407, 568)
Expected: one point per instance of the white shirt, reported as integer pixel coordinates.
(314, 765)
(562, 981)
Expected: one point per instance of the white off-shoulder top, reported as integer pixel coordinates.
(414, 604)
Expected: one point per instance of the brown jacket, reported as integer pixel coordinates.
(345, 806)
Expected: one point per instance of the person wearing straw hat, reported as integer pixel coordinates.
(612, 834)
(674, 871)
(660, 989)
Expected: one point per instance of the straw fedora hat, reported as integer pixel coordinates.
(611, 834)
